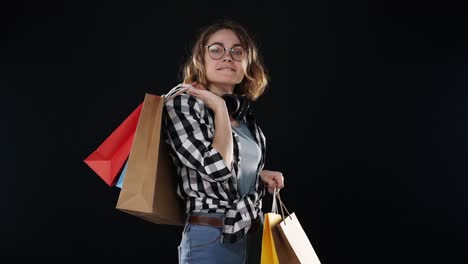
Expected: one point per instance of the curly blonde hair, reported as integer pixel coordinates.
(255, 75)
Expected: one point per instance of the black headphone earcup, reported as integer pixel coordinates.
(232, 103)
(237, 105)
(243, 108)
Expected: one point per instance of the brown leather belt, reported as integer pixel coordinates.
(206, 220)
(216, 222)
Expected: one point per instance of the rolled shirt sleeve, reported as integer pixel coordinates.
(191, 138)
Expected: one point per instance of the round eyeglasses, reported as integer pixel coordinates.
(217, 51)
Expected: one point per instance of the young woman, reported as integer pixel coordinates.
(219, 149)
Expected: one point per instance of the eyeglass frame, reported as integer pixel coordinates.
(224, 51)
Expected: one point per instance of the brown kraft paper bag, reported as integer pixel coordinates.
(149, 187)
(291, 242)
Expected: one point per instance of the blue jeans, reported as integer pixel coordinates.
(201, 244)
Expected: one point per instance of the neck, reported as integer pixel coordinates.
(221, 89)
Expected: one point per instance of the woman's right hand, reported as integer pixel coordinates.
(222, 139)
(211, 100)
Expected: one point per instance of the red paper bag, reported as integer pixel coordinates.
(108, 159)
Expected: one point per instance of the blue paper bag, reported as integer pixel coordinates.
(122, 175)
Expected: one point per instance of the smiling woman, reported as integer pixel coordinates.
(229, 71)
(224, 69)
(210, 130)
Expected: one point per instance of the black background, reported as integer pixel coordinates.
(364, 116)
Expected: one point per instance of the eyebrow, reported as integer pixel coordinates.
(222, 44)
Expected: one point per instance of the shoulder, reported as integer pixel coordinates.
(184, 100)
(185, 103)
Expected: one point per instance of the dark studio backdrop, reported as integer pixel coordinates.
(364, 116)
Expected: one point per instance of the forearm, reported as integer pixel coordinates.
(222, 140)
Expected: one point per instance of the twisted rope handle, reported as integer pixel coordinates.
(274, 206)
(174, 92)
(278, 196)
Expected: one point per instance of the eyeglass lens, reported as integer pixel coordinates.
(217, 52)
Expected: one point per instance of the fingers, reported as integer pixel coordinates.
(271, 187)
(194, 84)
(198, 86)
(271, 190)
(189, 91)
(194, 92)
(278, 180)
(272, 180)
(282, 181)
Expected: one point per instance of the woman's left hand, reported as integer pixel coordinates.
(272, 180)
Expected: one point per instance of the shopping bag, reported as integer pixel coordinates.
(109, 157)
(291, 242)
(149, 186)
(269, 254)
(122, 176)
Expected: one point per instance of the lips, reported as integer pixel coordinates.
(226, 69)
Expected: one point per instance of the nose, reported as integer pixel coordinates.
(227, 56)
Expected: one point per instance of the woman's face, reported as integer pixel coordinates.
(224, 70)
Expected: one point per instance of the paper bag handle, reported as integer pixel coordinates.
(174, 91)
(274, 206)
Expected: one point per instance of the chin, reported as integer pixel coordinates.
(226, 81)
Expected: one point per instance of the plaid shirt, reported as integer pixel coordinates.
(205, 183)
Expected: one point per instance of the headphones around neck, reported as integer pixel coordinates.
(237, 105)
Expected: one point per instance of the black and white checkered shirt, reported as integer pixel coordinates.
(205, 183)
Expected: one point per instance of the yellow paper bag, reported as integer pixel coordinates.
(269, 255)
